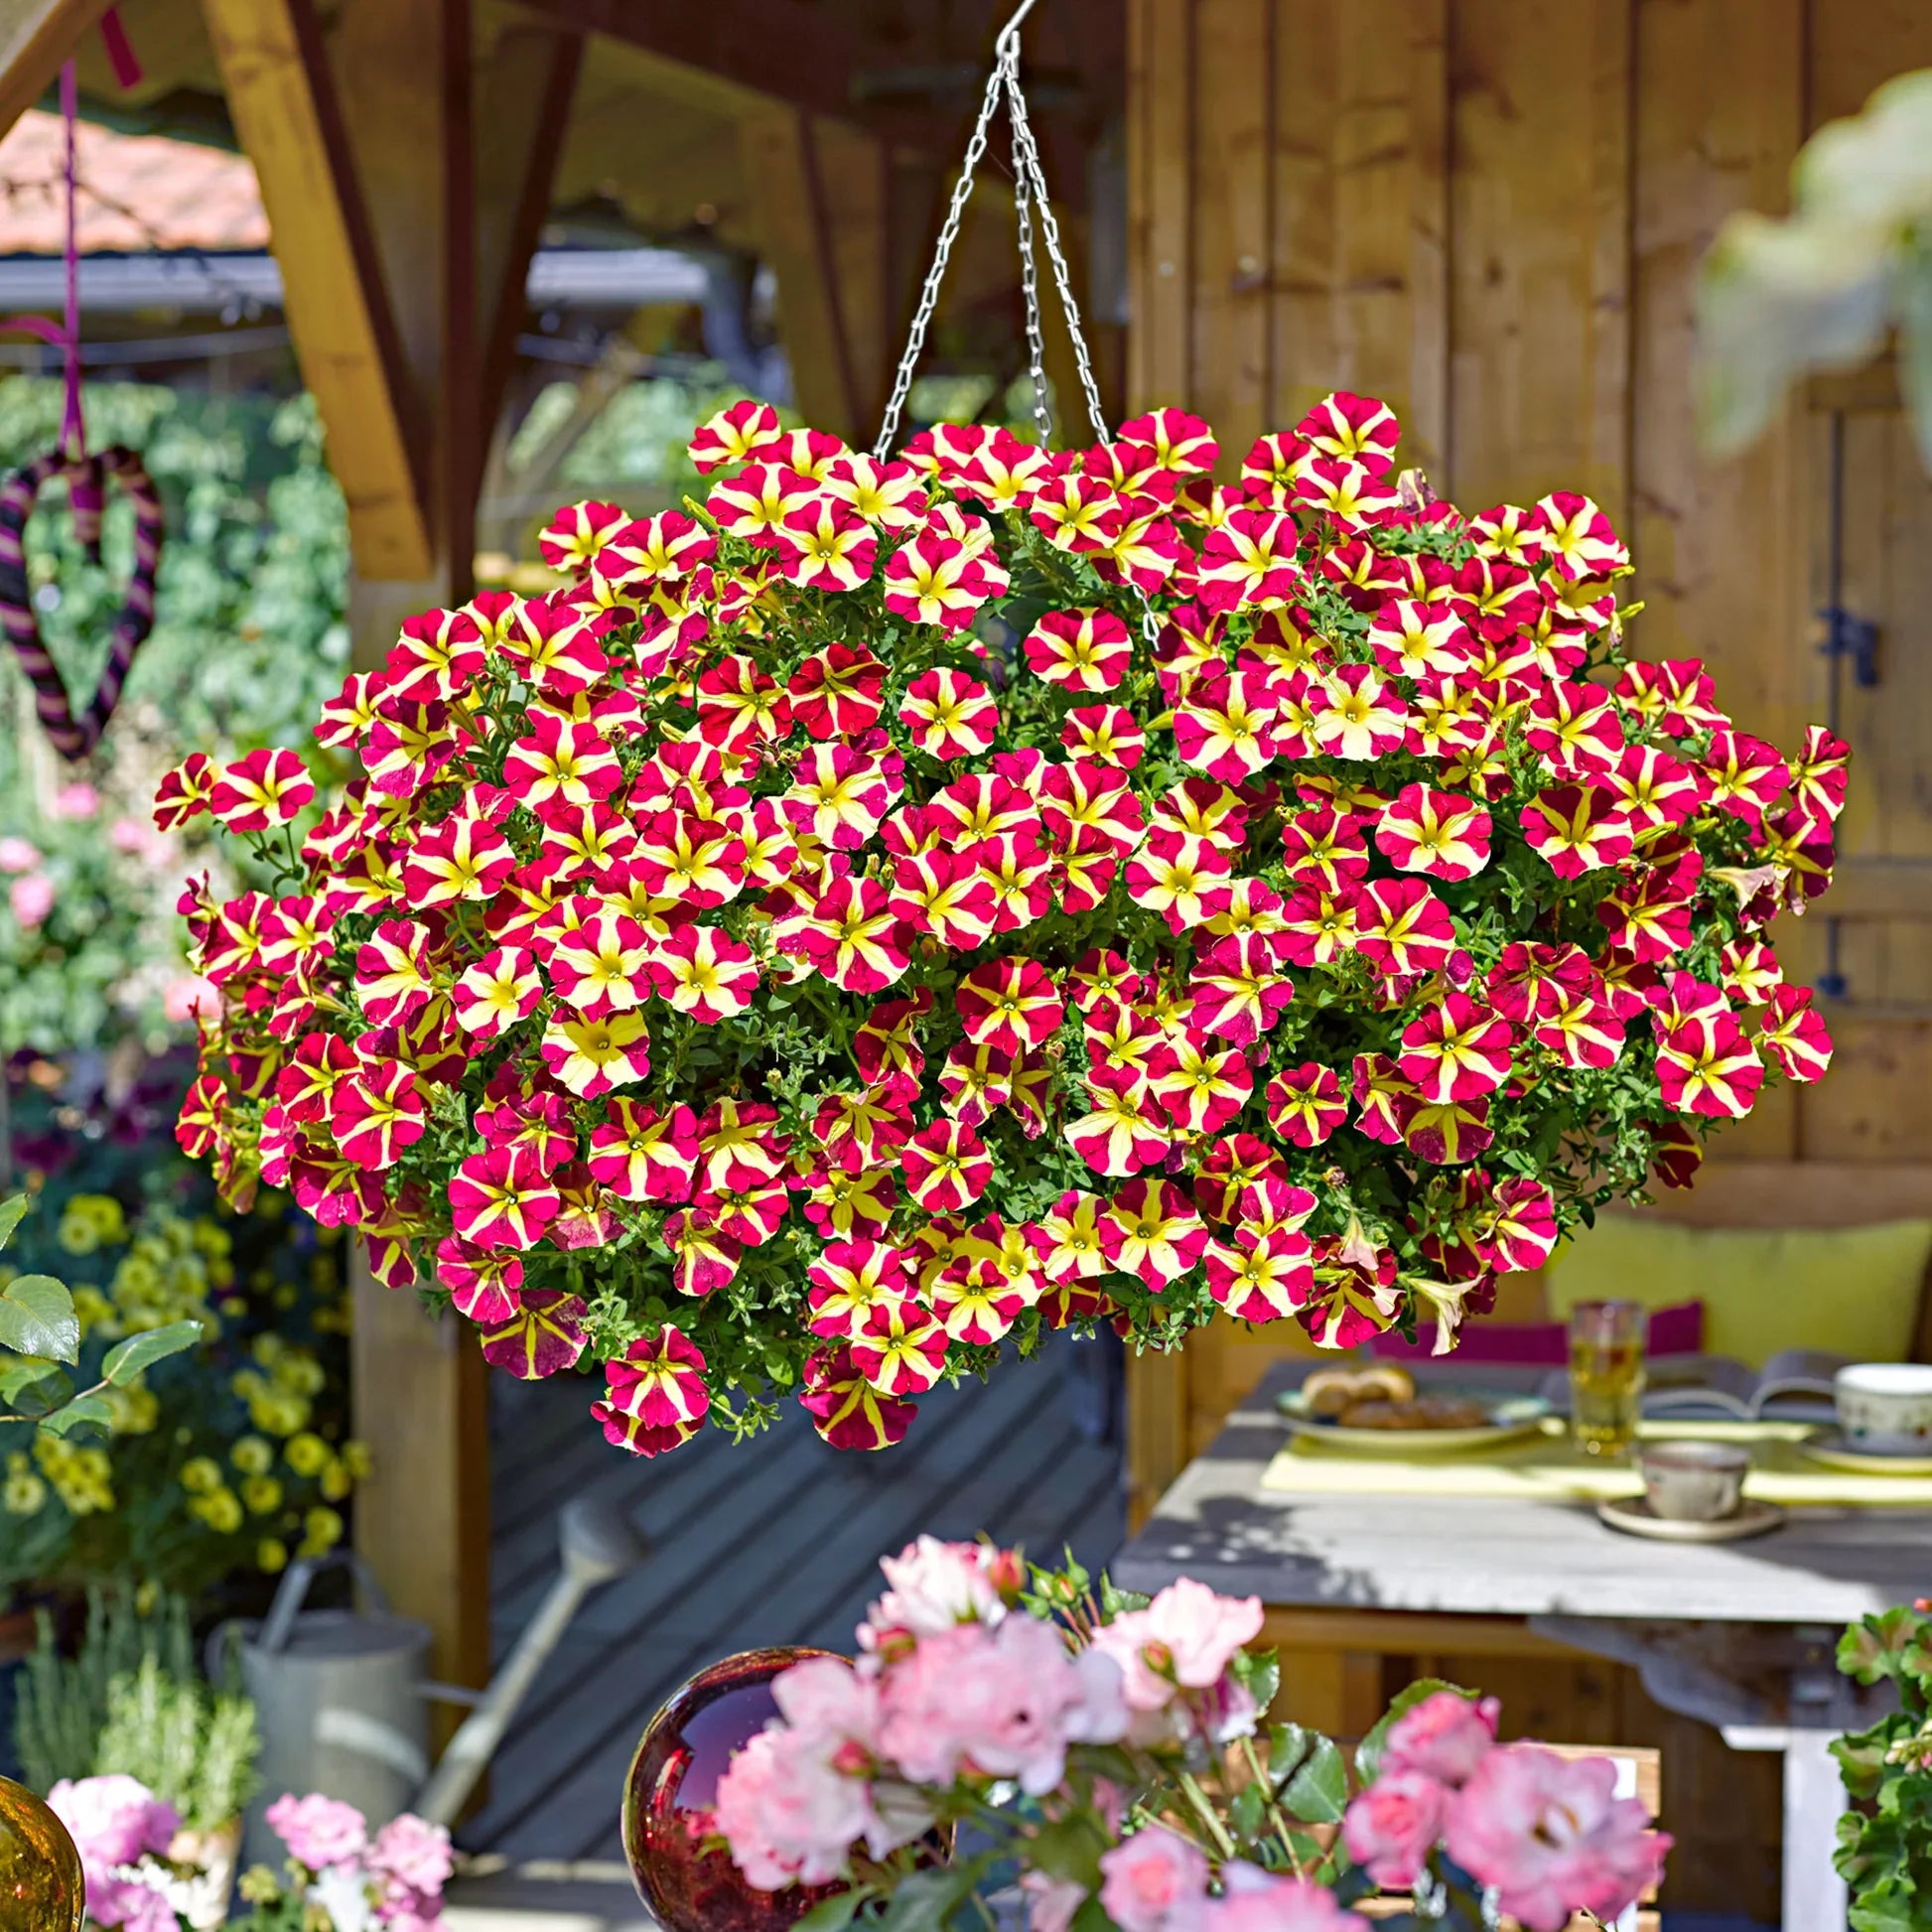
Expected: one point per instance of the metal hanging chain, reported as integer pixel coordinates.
(942, 253)
(1030, 275)
(1026, 151)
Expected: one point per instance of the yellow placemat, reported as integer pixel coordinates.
(1547, 1468)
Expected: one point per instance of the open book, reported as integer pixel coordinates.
(1795, 1385)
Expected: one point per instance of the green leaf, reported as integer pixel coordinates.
(1317, 1793)
(924, 1900)
(834, 1913)
(1259, 1673)
(1873, 1646)
(30, 1386)
(126, 1360)
(84, 1413)
(1368, 1753)
(11, 1209)
(37, 1318)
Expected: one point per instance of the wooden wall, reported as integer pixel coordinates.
(1490, 212)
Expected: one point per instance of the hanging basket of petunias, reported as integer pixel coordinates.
(889, 908)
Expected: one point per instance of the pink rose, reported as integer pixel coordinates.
(825, 1699)
(1391, 1827)
(32, 896)
(1051, 1902)
(1254, 1901)
(1154, 1881)
(1444, 1736)
(936, 1585)
(787, 1813)
(319, 1831)
(112, 1820)
(414, 1853)
(1184, 1639)
(129, 1905)
(180, 997)
(1006, 1700)
(1552, 1837)
(78, 800)
(15, 855)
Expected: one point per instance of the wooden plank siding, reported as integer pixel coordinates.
(1491, 214)
(773, 1542)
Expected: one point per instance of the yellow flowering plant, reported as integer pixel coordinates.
(226, 1458)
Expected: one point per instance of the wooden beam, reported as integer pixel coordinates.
(283, 102)
(781, 51)
(818, 192)
(522, 113)
(36, 38)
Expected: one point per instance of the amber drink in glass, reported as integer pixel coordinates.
(1605, 1375)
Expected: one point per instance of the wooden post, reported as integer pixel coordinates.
(36, 38)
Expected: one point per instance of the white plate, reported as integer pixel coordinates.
(1511, 1417)
(1835, 1452)
(1634, 1517)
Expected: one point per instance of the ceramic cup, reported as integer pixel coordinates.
(1693, 1482)
(1885, 1408)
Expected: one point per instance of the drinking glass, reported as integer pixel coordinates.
(1605, 1375)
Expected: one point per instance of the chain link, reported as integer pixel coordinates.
(1029, 193)
(1027, 149)
(942, 253)
(1030, 275)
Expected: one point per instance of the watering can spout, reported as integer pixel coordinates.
(598, 1542)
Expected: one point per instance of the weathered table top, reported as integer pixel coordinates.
(1485, 1557)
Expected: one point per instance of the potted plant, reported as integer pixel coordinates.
(889, 907)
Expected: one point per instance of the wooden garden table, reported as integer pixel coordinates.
(1740, 1635)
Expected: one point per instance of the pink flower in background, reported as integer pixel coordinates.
(1051, 1902)
(17, 855)
(1552, 1837)
(1254, 1901)
(1200, 1630)
(1183, 1641)
(825, 1699)
(414, 1853)
(788, 1813)
(78, 800)
(1007, 1701)
(139, 840)
(182, 995)
(112, 1820)
(934, 1585)
(32, 898)
(1154, 1881)
(319, 1831)
(1445, 1736)
(1391, 1827)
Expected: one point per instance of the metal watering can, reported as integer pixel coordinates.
(342, 1699)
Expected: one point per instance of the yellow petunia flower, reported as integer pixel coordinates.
(271, 1554)
(220, 1511)
(308, 1454)
(262, 1495)
(201, 1474)
(322, 1530)
(252, 1456)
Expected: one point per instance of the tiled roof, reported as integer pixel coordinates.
(138, 192)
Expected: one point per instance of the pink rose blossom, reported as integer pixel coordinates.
(786, 1812)
(1154, 1881)
(32, 896)
(319, 1831)
(1184, 1639)
(180, 997)
(17, 855)
(1254, 1901)
(1444, 1736)
(414, 1853)
(1550, 1835)
(936, 1585)
(1393, 1826)
(826, 1700)
(78, 800)
(1007, 1701)
(114, 1820)
(1051, 1902)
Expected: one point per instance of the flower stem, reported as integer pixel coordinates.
(1275, 1817)
(1208, 1816)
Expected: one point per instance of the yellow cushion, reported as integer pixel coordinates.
(1854, 1290)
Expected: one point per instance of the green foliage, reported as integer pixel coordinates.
(1885, 1842)
(249, 634)
(208, 1437)
(39, 1327)
(61, 1705)
(188, 1744)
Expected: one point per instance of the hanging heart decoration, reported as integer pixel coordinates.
(75, 737)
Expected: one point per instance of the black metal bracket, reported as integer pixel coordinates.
(1855, 637)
